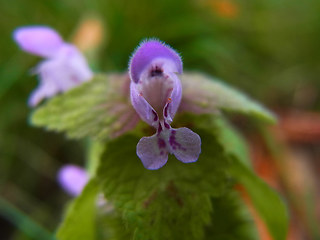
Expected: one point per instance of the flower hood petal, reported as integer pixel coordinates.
(38, 40)
(147, 52)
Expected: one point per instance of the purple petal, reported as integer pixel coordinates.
(72, 179)
(154, 83)
(147, 52)
(143, 108)
(153, 152)
(66, 70)
(46, 89)
(76, 64)
(171, 107)
(185, 144)
(38, 40)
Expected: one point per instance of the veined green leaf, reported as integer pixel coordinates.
(209, 95)
(170, 203)
(267, 202)
(99, 109)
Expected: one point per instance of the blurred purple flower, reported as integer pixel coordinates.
(155, 92)
(64, 66)
(72, 179)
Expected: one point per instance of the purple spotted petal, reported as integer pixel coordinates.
(66, 70)
(185, 144)
(147, 52)
(72, 179)
(38, 40)
(153, 152)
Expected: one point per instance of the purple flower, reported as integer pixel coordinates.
(64, 66)
(72, 179)
(155, 93)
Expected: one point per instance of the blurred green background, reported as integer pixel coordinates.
(267, 48)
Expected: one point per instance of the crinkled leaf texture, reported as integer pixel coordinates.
(99, 109)
(173, 202)
(267, 202)
(178, 201)
(204, 94)
(80, 218)
(170, 203)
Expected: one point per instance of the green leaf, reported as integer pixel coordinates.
(112, 227)
(232, 141)
(99, 109)
(229, 139)
(230, 219)
(206, 94)
(170, 203)
(267, 202)
(80, 219)
(94, 151)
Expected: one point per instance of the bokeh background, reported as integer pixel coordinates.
(267, 48)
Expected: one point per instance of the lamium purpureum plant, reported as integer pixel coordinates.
(177, 200)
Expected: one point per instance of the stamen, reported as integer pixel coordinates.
(156, 71)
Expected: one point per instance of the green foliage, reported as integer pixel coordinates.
(232, 141)
(170, 203)
(154, 202)
(267, 202)
(178, 201)
(209, 95)
(113, 227)
(80, 219)
(99, 108)
(94, 151)
(230, 219)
